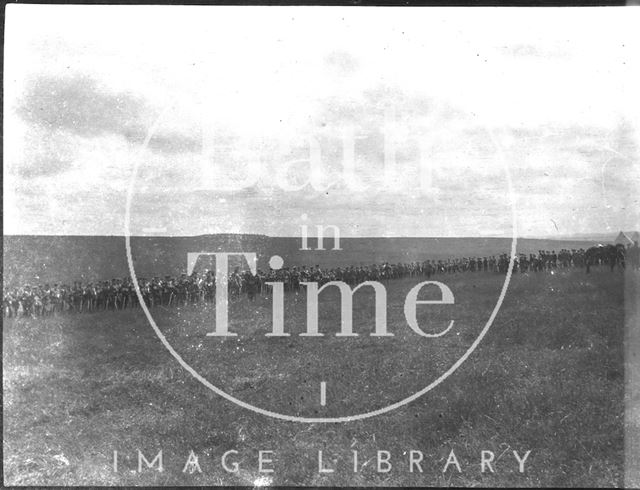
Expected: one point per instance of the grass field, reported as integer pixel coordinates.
(548, 377)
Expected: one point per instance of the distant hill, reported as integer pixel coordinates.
(39, 259)
(604, 238)
(67, 258)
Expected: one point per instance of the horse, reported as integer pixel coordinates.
(610, 255)
(235, 285)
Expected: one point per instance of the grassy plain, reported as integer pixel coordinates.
(548, 377)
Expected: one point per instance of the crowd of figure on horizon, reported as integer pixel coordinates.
(200, 287)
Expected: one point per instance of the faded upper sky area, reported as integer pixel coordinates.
(381, 121)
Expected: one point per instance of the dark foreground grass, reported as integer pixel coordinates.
(549, 378)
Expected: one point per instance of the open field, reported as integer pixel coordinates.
(548, 377)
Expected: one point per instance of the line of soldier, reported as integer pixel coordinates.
(117, 294)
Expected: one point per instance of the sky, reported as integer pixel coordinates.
(379, 121)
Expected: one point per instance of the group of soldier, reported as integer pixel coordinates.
(199, 287)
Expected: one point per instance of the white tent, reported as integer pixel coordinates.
(623, 239)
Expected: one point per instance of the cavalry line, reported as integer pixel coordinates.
(44, 300)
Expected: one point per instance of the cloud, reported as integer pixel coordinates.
(78, 105)
(174, 143)
(342, 62)
(44, 154)
(371, 106)
(80, 129)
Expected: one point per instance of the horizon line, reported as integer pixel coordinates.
(576, 237)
